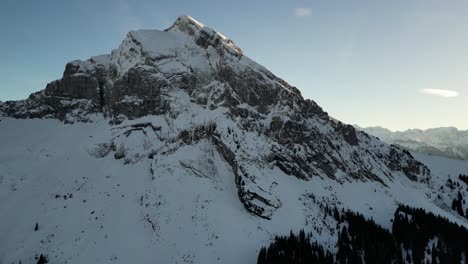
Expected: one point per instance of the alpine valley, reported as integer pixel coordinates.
(178, 148)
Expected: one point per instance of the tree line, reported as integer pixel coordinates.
(416, 237)
(463, 178)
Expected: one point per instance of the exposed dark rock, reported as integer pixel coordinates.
(348, 132)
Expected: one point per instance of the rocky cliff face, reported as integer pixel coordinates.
(190, 84)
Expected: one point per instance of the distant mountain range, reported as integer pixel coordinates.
(444, 141)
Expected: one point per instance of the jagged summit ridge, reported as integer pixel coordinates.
(191, 86)
(187, 20)
(192, 27)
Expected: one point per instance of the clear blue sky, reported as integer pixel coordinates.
(364, 62)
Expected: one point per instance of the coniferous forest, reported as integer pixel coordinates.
(416, 237)
(294, 249)
(463, 178)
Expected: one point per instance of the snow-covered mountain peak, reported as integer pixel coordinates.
(191, 86)
(185, 46)
(186, 24)
(176, 133)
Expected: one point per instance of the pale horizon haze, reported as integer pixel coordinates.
(396, 64)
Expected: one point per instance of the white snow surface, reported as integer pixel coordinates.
(187, 211)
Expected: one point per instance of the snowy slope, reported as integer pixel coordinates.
(177, 148)
(120, 214)
(444, 141)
